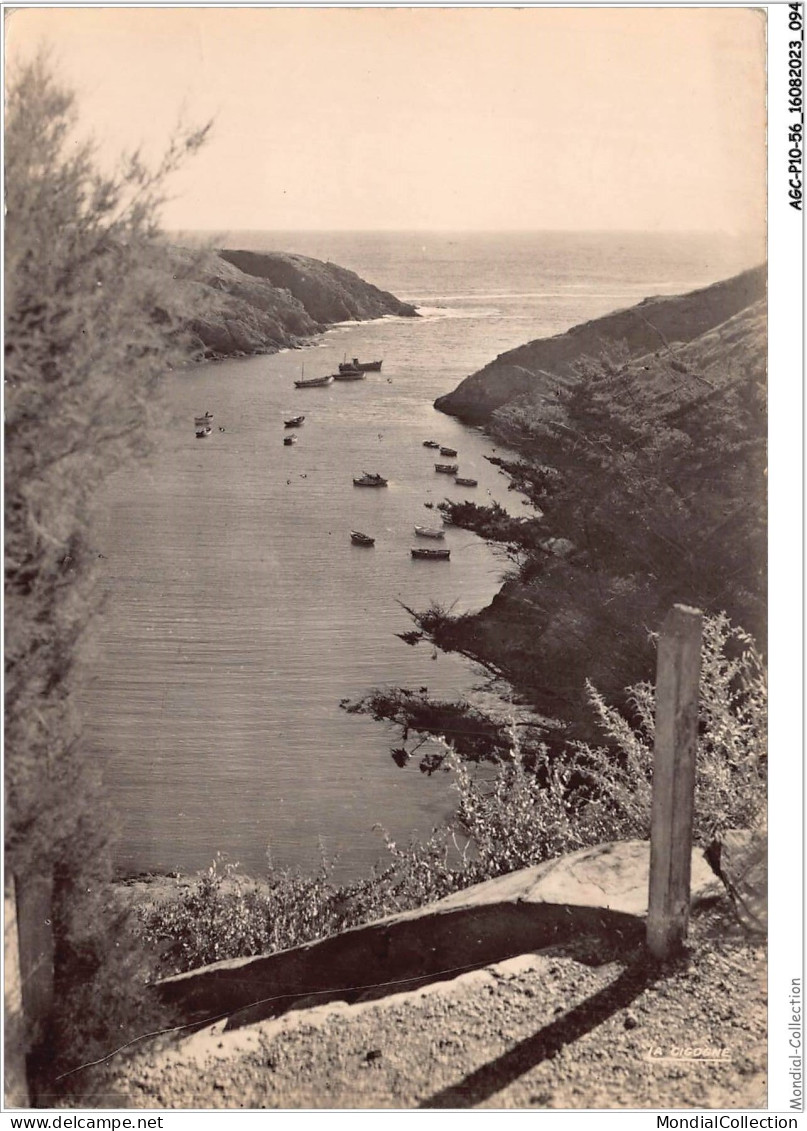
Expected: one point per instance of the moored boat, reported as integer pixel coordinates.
(314, 382)
(446, 468)
(448, 451)
(429, 532)
(360, 366)
(289, 440)
(430, 444)
(294, 422)
(369, 479)
(462, 481)
(202, 432)
(422, 552)
(348, 375)
(359, 539)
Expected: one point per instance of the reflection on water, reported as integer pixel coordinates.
(239, 613)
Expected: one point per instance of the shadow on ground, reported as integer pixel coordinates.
(548, 1041)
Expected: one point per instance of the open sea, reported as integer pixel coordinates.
(238, 613)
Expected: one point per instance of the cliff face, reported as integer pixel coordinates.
(659, 489)
(329, 293)
(238, 302)
(542, 367)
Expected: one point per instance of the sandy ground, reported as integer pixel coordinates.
(542, 1030)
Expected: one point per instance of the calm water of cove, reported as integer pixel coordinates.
(238, 612)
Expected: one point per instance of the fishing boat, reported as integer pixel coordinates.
(369, 479)
(313, 382)
(461, 481)
(447, 468)
(360, 366)
(294, 422)
(348, 375)
(448, 451)
(289, 440)
(430, 444)
(359, 539)
(422, 552)
(429, 532)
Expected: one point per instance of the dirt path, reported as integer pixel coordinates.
(537, 1030)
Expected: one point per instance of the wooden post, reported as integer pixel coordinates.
(15, 1036)
(35, 935)
(677, 681)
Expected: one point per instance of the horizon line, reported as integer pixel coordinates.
(481, 231)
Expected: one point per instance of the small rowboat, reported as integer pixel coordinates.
(461, 481)
(359, 539)
(448, 451)
(295, 422)
(429, 532)
(430, 444)
(202, 432)
(289, 440)
(446, 468)
(422, 552)
(369, 479)
(314, 382)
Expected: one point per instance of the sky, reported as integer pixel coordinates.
(429, 118)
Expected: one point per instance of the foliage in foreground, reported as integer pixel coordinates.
(87, 339)
(516, 812)
(517, 817)
(223, 914)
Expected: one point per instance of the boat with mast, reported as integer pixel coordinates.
(356, 366)
(313, 382)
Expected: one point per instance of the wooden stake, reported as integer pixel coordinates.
(677, 682)
(15, 1036)
(35, 934)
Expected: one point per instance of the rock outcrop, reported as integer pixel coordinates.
(329, 293)
(236, 303)
(698, 402)
(540, 367)
(740, 858)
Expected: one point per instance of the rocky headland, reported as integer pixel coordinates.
(238, 303)
(657, 327)
(642, 443)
